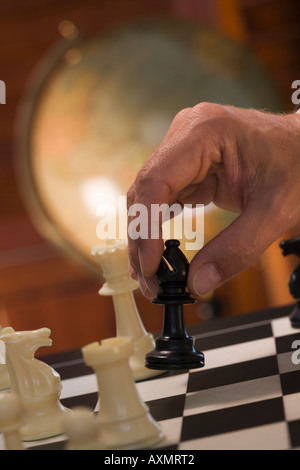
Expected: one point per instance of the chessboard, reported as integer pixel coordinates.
(246, 397)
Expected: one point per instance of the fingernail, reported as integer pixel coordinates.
(141, 261)
(152, 285)
(132, 273)
(148, 286)
(206, 279)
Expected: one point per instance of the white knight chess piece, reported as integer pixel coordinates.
(36, 383)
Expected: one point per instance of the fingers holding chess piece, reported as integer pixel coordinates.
(174, 348)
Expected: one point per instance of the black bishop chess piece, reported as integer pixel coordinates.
(292, 247)
(174, 349)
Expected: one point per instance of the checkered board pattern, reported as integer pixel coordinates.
(246, 397)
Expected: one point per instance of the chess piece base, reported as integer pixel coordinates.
(174, 354)
(139, 432)
(42, 419)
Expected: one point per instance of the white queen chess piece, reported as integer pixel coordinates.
(112, 256)
(37, 384)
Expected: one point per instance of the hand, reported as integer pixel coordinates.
(243, 160)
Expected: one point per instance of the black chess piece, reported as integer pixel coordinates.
(292, 246)
(174, 348)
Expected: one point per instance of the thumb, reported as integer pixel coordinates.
(231, 251)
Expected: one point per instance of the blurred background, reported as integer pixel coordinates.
(91, 88)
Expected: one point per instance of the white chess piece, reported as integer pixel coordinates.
(82, 430)
(37, 384)
(124, 419)
(112, 256)
(11, 420)
(4, 374)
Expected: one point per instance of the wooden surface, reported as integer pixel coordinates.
(38, 285)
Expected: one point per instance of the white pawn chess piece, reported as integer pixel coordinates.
(82, 430)
(124, 419)
(112, 256)
(10, 420)
(37, 384)
(4, 374)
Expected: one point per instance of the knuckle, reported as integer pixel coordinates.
(211, 120)
(209, 111)
(147, 175)
(182, 114)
